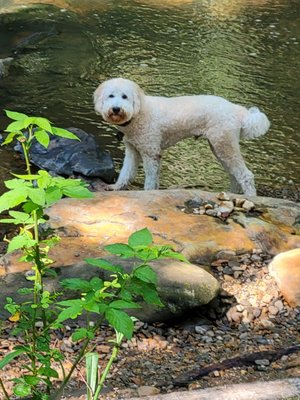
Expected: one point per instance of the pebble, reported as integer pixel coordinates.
(263, 362)
(248, 205)
(148, 391)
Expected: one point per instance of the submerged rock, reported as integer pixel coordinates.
(67, 157)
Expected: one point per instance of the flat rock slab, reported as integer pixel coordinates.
(86, 226)
(276, 390)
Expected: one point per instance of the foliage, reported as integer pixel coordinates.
(41, 311)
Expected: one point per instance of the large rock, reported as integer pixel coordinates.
(181, 286)
(285, 268)
(86, 226)
(66, 157)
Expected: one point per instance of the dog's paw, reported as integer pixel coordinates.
(114, 187)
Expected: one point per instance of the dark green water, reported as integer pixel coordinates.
(247, 51)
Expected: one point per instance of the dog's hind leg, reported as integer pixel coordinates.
(152, 169)
(129, 169)
(227, 151)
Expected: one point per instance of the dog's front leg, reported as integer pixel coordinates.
(151, 168)
(129, 169)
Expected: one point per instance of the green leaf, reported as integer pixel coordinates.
(27, 177)
(74, 308)
(146, 274)
(19, 242)
(12, 198)
(42, 137)
(53, 194)
(31, 380)
(49, 372)
(10, 356)
(77, 192)
(106, 265)
(120, 321)
(37, 195)
(96, 283)
(64, 133)
(92, 360)
(15, 115)
(21, 216)
(22, 390)
(121, 304)
(82, 333)
(76, 284)
(43, 123)
(166, 251)
(142, 237)
(15, 126)
(9, 138)
(120, 249)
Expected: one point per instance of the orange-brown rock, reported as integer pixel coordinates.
(285, 268)
(86, 226)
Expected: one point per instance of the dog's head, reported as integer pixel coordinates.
(118, 100)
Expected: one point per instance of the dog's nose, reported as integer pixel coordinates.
(116, 110)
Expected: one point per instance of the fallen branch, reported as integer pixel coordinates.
(241, 361)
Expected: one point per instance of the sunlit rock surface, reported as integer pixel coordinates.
(285, 268)
(86, 226)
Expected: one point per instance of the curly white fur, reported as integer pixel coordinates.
(150, 124)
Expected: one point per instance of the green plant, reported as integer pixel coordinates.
(39, 314)
(32, 193)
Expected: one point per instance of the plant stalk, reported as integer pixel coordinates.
(4, 390)
(114, 353)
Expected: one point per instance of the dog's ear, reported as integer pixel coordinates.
(98, 94)
(138, 95)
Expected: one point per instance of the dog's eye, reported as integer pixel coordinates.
(124, 96)
(111, 96)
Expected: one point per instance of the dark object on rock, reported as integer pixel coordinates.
(236, 362)
(66, 156)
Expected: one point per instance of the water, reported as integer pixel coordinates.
(245, 50)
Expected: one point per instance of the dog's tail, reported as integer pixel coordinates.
(254, 124)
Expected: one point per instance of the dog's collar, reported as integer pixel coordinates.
(125, 123)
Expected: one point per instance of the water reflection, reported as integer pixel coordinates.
(247, 51)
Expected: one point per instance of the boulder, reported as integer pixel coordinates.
(86, 226)
(67, 157)
(181, 286)
(285, 268)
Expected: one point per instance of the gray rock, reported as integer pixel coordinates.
(181, 286)
(4, 66)
(66, 157)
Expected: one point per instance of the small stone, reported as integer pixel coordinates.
(212, 213)
(279, 304)
(202, 329)
(223, 196)
(256, 312)
(273, 310)
(265, 323)
(248, 205)
(226, 255)
(240, 308)
(103, 349)
(263, 362)
(238, 202)
(148, 391)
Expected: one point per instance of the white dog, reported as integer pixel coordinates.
(150, 124)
